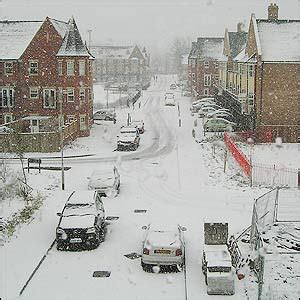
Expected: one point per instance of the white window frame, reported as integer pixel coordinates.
(251, 99)
(206, 92)
(206, 64)
(70, 119)
(70, 68)
(250, 70)
(7, 118)
(34, 93)
(60, 67)
(33, 67)
(70, 95)
(52, 102)
(207, 80)
(82, 95)
(216, 64)
(10, 97)
(82, 122)
(8, 68)
(81, 66)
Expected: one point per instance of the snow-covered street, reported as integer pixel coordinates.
(174, 179)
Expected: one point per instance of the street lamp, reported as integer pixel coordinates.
(62, 92)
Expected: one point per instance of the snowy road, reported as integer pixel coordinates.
(171, 177)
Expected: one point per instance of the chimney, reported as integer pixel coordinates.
(240, 27)
(273, 12)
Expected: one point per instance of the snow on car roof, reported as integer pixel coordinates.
(102, 172)
(128, 129)
(159, 238)
(81, 197)
(78, 221)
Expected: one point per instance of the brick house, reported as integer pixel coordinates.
(231, 89)
(203, 66)
(120, 64)
(43, 64)
(262, 86)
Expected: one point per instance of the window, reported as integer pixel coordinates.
(82, 95)
(193, 75)
(251, 99)
(49, 98)
(8, 118)
(70, 119)
(206, 92)
(70, 95)
(82, 123)
(193, 63)
(81, 67)
(206, 64)
(250, 71)
(216, 64)
(33, 67)
(216, 78)
(60, 68)
(7, 97)
(207, 80)
(70, 68)
(34, 93)
(8, 68)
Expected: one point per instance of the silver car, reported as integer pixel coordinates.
(105, 181)
(162, 249)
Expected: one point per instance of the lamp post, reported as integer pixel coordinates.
(62, 139)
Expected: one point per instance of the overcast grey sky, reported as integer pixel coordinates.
(153, 23)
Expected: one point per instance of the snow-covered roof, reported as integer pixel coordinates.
(78, 221)
(163, 239)
(72, 44)
(15, 36)
(115, 52)
(279, 40)
(210, 48)
(60, 26)
(237, 41)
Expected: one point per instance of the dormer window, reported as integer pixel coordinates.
(33, 67)
(8, 68)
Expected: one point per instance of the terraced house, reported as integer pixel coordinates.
(263, 82)
(45, 72)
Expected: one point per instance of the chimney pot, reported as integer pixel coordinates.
(273, 11)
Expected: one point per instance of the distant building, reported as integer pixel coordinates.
(183, 72)
(41, 64)
(203, 64)
(121, 64)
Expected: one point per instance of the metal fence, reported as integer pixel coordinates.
(274, 176)
(264, 215)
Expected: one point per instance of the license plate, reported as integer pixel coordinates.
(162, 251)
(75, 240)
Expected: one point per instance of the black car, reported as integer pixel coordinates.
(82, 222)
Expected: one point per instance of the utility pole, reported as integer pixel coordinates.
(61, 121)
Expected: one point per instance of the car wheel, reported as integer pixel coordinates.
(147, 268)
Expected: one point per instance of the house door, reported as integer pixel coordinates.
(34, 126)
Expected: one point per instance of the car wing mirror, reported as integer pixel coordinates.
(59, 214)
(144, 227)
(182, 228)
(88, 178)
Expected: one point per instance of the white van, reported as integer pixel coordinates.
(218, 270)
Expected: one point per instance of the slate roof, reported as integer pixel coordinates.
(237, 41)
(193, 52)
(279, 40)
(210, 48)
(15, 36)
(115, 52)
(72, 44)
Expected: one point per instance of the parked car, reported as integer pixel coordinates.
(220, 113)
(196, 107)
(106, 114)
(205, 110)
(82, 222)
(106, 181)
(209, 99)
(163, 248)
(128, 139)
(218, 124)
(139, 124)
(169, 99)
(173, 86)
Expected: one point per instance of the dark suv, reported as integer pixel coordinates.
(82, 222)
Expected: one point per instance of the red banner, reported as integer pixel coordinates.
(238, 155)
